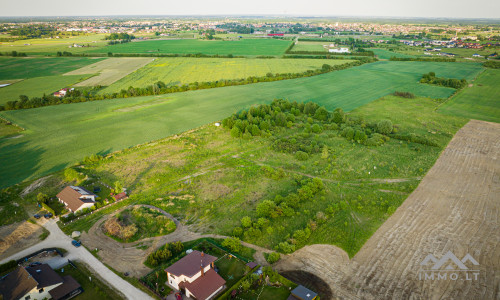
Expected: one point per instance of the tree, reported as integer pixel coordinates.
(338, 115)
(301, 155)
(232, 243)
(384, 127)
(246, 222)
(321, 114)
(118, 188)
(42, 198)
(266, 208)
(235, 132)
(273, 257)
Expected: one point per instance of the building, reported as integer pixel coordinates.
(63, 92)
(37, 283)
(120, 196)
(194, 274)
(76, 198)
(302, 293)
(476, 55)
(341, 50)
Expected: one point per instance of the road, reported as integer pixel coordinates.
(58, 239)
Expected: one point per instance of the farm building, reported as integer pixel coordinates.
(194, 274)
(37, 282)
(76, 198)
(302, 293)
(341, 50)
(63, 92)
(120, 196)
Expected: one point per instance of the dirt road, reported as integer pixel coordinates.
(455, 208)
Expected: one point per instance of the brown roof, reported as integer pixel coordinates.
(120, 196)
(251, 264)
(44, 275)
(16, 284)
(191, 264)
(205, 285)
(69, 285)
(71, 197)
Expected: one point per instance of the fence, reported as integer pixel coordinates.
(94, 211)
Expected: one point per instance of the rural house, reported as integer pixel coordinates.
(36, 283)
(302, 293)
(194, 274)
(76, 198)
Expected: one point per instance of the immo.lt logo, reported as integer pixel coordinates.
(449, 267)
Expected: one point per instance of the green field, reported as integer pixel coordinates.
(29, 67)
(236, 47)
(481, 101)
(386, 54)
(310, 46)
(183, 70)
(51, 46)
(36, 87)
(58, 136)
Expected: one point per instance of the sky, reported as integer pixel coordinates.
(372, 8)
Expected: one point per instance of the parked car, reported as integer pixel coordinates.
(37, 216)
(36, 263)
(178, 296)
(48, 216)
(76, 243)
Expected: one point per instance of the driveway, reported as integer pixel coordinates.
(58, 239)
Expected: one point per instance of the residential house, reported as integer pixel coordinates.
(476, 55)
(37, 283)
(63, 92)
(341, 50)
(302, 293)
(194, 274)
(76, 198)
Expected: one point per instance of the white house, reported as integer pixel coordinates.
(76, 198)
(37, 283)
(341, 50)
(194, 274)
(476, 55)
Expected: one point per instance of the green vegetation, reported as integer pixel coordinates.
(235, 47)
(30, 67)
(58, 136)
(183, 70)
(492, 64)
(431, 78)
(254, 287)
(38, 86)
(479, 101)
(7, 129)
(136, 223)
(93, 287)
(48, 46)
(311, 46)
(386, 54)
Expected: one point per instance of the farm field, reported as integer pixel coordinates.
(455, 208)
(310, 46)
(183, 70)
(36, 87)
(110, 70)
(250, 47)
(386, 54)
(48, 46)
(58, 136)
(481, 101)
(29, 67)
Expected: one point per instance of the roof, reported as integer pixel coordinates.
(190, 264)
(120, 196)
(69, 285)
(205, 285)
(71, 196)
(303, 293)
(44, 275)
(251, 264)
(16, 284)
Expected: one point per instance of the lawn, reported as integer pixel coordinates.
(29, 67)
(37, 87)
(386, 54)
(481, 101)
(93, 287)
(183, 70)
(61, 135)
(250, 47)
(231, 269)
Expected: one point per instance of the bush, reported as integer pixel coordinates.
(233, 244)
(246, 222)
(266, 208)
(338, 116)
(404, 95)
(301, 155)
(492, 64)
(273, 257)
(384, 127)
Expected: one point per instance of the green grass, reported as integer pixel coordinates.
(52, 46)
(58, 136)
(8, 129)
(481, 101)
(231, 269)
(182, 70)
(311, 46)
(236, 47)
(29, 67)
(36, 87)
(92, 289)
(386, 54)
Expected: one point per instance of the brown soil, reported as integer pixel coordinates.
(18, 236)
(455, 208)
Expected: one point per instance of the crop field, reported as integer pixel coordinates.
(310, 46)
(481, 101)
(36, 87)
(51, 46)
(386, 54)
(29, 67)
(58, 136)
(181, 70)
(110, 70)
(236, 47)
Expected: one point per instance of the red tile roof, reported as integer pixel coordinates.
(191, 264)
(120, 196)
(205, 285)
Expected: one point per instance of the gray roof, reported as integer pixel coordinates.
(304, 293)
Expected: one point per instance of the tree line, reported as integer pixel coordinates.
(431, 78)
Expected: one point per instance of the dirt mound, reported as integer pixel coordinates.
(18, 236)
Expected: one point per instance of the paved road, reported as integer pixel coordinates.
(58, 239)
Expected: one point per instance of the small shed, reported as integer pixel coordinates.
(251, 265)
(302, 293)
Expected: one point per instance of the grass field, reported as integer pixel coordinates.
(36, 87)
(310, 46)
(58, 136)
(386, 54)
(51, 46)
(236, 47)
(181, 70)
(481, 101)
(29, 67)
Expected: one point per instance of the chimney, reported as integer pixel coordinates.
(202, 270)
(202, 254)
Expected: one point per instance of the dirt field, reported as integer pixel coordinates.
(455, 208)
(110, 70)
(18, 236)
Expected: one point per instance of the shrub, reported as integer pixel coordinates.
(237, 231)
(338, 116)
(273, 257)
(232, 243)
(266, 208)
(246, 222)
(404, 94)
(316, 128)
(301, 155)
(235, 132)
(384, 127)
(348, 133)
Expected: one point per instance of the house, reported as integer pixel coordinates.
(476, 55)
(194, 274)
(76, 198)
(302, 293)
(36, 283)
(341, 50)
(63, 92)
